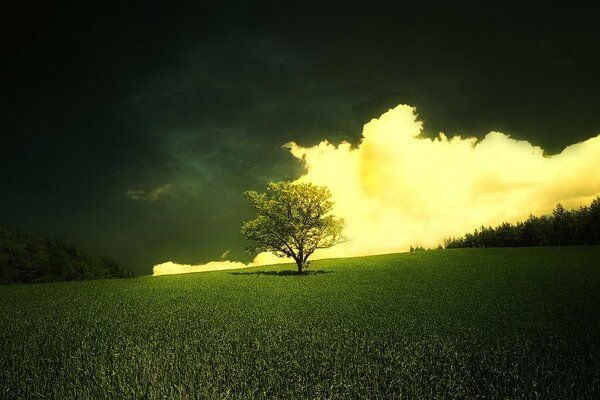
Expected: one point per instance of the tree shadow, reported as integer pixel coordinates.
(283, 273)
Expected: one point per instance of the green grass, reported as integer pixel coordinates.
(468, 323)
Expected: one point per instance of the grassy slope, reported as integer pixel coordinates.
(442, 324)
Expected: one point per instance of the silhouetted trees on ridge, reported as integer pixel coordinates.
(26, 258)
(562, 228)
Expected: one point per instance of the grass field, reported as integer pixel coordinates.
(466, 323)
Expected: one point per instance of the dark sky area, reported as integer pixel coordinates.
(130, 129)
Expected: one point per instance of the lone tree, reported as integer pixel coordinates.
(293, 221)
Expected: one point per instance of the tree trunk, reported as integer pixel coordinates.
(300, 265)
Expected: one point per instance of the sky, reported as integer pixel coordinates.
(131, 129)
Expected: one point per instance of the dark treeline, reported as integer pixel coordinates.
(26, 258)
(562, 228)
(421, 248)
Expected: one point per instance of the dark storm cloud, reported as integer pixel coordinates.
(132, 129)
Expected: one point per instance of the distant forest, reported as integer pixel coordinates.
(26, 258)
(562, 228)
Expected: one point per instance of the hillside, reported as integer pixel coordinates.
(494, 323)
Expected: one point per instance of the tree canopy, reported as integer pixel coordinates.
(294, 220)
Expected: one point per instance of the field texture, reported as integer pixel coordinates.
(465, 323)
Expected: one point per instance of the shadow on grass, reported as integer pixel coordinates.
(283, 273)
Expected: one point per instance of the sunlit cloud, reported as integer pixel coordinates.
(169, 267)
(397, 189)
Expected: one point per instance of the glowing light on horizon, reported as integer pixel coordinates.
(170, 268)
(397, 189)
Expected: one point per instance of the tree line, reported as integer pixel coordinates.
(562, 228)
(26, 258)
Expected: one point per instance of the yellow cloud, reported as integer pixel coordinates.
(169, 267)
(397, 189)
